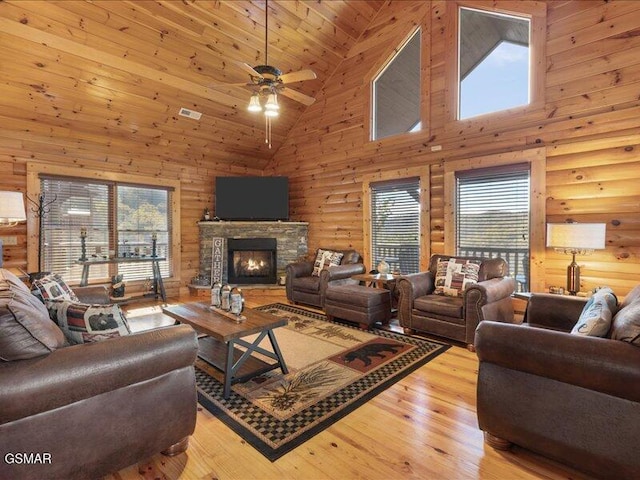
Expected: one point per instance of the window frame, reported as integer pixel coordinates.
(537, 13)
(536, 158)
(34, 170)
(423, 173)
(397, 42)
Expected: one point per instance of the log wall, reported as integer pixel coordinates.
(588, 124)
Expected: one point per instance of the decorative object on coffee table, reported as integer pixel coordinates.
(117, 286)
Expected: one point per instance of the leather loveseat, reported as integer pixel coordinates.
(456, 317)
(84, 411)
(572, 398)
(303, 287)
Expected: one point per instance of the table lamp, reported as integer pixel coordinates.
(12, 212)
(574, 239)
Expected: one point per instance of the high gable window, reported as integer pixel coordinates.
(494, 62)
(396, 92)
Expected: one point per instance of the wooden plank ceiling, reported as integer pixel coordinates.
(123, 69)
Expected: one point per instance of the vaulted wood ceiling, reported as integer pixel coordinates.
(120, 70)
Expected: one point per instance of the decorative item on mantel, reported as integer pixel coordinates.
(206, 216)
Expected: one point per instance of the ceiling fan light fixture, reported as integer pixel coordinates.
(272, 104)
(271, 113)
(254, 103)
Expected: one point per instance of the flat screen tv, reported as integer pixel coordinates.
(252, 198)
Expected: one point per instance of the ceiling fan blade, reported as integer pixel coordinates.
(298, 76)
(297, 96)
(225, 85)
(249, 69)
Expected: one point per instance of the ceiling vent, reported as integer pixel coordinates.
(185, 112)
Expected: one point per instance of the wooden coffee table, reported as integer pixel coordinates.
(224, 333)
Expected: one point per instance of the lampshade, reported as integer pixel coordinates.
(12, 208)
(576, 236)
(254, 103)
(272, 103)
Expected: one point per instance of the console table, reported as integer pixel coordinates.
(158, 286)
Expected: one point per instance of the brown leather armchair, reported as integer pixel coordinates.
(572, 398)
(419, 309)
(302, 287)
(93, 408)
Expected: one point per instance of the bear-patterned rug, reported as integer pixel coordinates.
(333, 369)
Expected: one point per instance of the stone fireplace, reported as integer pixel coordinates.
(290, 240)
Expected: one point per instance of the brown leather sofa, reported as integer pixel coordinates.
(88, 410)
(419, 309)
(572, 398)
(302, 287)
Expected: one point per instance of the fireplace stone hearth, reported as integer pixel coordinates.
(291, 241)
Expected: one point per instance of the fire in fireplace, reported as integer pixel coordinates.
(252, 260)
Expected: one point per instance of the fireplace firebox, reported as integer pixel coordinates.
(252, 260)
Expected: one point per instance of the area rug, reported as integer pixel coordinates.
(333, 369)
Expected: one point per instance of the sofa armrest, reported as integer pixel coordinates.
(74, 373)
(600, 364)
(93, 294)
(411, 287)
(558, 312)
(493, 290)
(299, 269)
(340, 272)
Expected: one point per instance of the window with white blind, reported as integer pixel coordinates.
(395, 224)
(492, 217)
(120, 220)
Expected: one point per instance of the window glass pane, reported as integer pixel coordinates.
(492, 219)
(494, 62)
(395, 224)
(396, 92)
(77, 204)
(142, 211)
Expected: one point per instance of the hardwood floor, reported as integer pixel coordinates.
(423, 427)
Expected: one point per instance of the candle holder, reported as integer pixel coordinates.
(154, 244)
(83, 245)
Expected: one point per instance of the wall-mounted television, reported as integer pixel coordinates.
(252, 198)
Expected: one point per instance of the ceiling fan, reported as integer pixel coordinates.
(267, 82)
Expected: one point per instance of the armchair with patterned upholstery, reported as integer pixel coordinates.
(420, 308)
(303, 286)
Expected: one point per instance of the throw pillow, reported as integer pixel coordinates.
(595, 319)
(326, 259)
(453, 276)
(84, 323)
(52, 287)
(25, 328)
(626, 324)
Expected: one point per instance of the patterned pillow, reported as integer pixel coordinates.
(453, 276)
(595, 319)
(52, 287)
(626, 324)
(326, 259)
(84, 323)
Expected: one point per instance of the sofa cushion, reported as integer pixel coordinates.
(626, 323)
(85, 323)
(326, 259)
(25, 328)
(439, 305)
(453, 275)
(52, 287)
(595, 319)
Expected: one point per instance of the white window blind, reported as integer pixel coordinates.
(119, 219)
(395, 224)
(492, 217)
